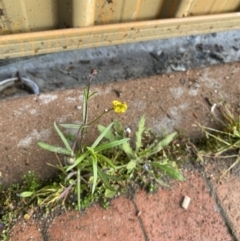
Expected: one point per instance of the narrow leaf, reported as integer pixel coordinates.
(112, 144)
(93, 157)
(64, 140)
(107, 160)
(79, 189)
(78, 160)
(85, 100)
(103, 177)
(26, 194)
(71, 126)
(95, 176)
(131, 165)
(163, 143)
(127, 149)
(111, 177)
(119, 131)
(55, 149)
(109, 135)
(97, 141)
(92, 94)
(139, 133)
(169, 169)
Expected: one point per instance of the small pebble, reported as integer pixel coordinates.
(178, 67)
(128, 130)
(78, 107)
(186, 202)
(139, 213)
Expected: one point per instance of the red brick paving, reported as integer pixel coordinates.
(161, 215)
(117, 223)
(26, 231)
(229, 196)
(165, 219)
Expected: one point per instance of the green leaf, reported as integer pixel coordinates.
(109, 135)
(112, 144)
(109, 193)
(107, 160)
(163, 143)
(97, 141)
(71, 126)
(78, 160)
(144, 153)
(131, 165)
(55, 149)
(79, 189)
(139, 133)
(104, 178)
(128, 150)
(64, 140)
(85, 103)
(26, 194)
(93, 157)
(119, 131)
(39, 201)
(169, 168)
(161, 182)
(111, 177)
(92, 94)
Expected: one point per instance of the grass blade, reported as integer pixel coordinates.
(112, 144)
(169, 169)
(107, 160)
(56, 149)
(93, 157)
(104, 178)
(85, 102)
(64, 140)
(97, 141)
(163, 143)
(79, 189)
(109, 135)
(95, 176)
(78, 160)
(92, 94)
(71, 126)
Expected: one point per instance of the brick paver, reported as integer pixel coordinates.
(165, 219)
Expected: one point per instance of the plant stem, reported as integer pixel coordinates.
(85, 114)
(104, 112)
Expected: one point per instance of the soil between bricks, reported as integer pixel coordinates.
(174, 101)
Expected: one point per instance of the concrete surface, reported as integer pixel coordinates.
(170, 101)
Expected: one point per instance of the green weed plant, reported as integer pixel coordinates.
(223, 143)
(91, 173)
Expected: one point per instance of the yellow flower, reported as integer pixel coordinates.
(119, 107)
